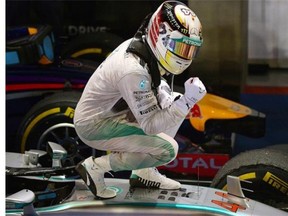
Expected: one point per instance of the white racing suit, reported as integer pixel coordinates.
(139, 135)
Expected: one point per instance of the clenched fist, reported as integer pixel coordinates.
(194, 91)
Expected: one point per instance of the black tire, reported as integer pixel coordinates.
(94, 46)
(51, 119)
(266, 169)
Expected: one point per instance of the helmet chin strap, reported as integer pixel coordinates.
(162, 70)
(168, 74)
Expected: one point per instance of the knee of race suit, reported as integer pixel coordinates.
(170, 153)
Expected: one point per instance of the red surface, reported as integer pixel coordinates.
(206, 165)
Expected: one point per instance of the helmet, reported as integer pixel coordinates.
(174, 36)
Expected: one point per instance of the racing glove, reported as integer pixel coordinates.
(164, 95)
(194, 92)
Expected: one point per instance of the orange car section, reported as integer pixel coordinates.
(215, 107)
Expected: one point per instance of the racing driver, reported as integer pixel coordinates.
(127, 107)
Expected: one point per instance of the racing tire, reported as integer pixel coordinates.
(264, 171)
(51, 119)
(94, 46)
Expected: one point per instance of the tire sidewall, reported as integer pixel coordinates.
(102, 44)
(45, 114)
(265, 169)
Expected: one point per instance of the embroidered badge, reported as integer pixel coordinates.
(143, 84)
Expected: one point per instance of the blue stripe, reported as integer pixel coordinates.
(47, 196)
(12, 58)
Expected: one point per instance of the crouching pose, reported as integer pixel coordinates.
(127, 107)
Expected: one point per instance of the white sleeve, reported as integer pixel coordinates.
(137, 92)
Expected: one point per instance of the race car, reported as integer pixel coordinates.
(50, 191)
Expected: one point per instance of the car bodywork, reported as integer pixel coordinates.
(53, 193)
(192, 200)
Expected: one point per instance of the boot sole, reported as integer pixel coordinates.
(86, 176)
(137, 183)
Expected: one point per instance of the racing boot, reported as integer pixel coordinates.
(151, 178)
(92, 172)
